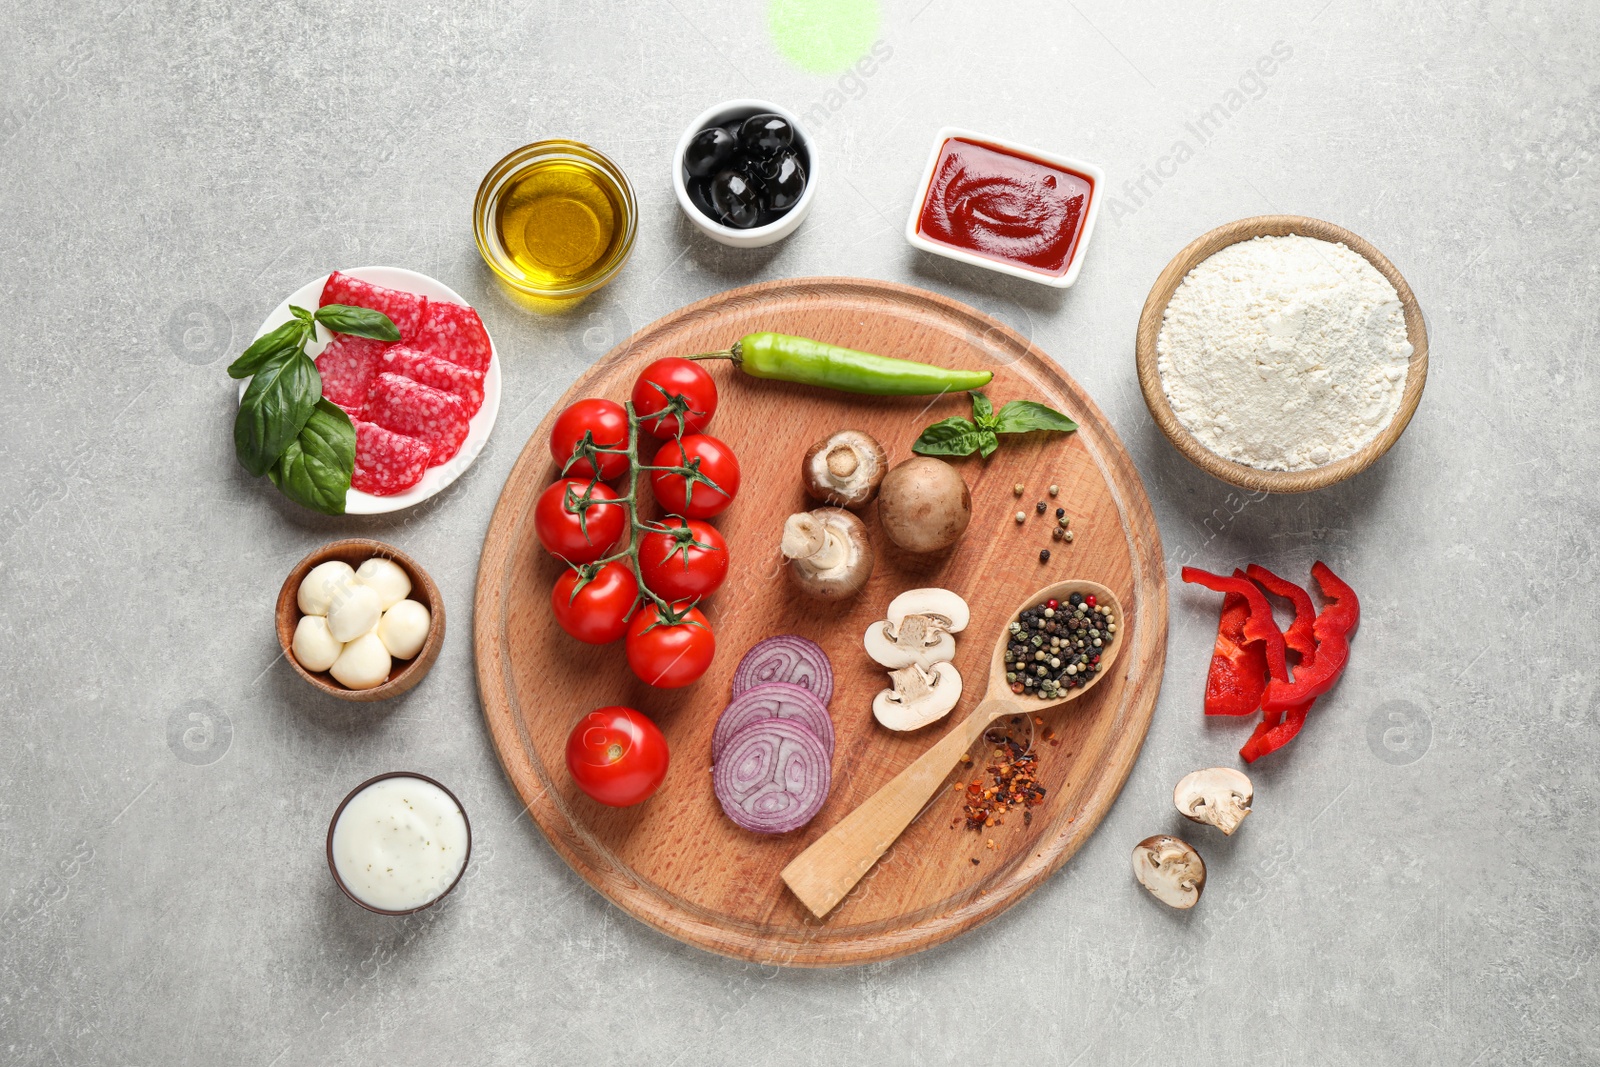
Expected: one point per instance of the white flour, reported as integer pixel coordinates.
(1284, 353)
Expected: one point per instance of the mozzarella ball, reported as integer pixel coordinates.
(364, 663)
(387, 578)
(317, 588)
(354, 612)
(313, 646)
(404, 628)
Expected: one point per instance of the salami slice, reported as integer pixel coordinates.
(454, 332)
(386, 462)
(407, 310)
(348, 366)
(438, 373)
(434, 417)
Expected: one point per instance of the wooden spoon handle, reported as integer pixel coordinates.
(822, 874)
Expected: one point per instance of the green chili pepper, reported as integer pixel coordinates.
(784, 358)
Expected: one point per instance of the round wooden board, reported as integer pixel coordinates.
(676, 862)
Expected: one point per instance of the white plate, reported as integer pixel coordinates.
(436, 478)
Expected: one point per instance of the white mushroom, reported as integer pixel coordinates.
(364, 663)
(317, 588)
(919, 696)
(313, 646)
(940, 602)
(920, 639)
(844, 470)
(404, 628)
(1172, 871)
(829, 555)
(355, 611)
(387, 578)
(1220, 796)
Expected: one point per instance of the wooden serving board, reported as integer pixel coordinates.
(675, 861)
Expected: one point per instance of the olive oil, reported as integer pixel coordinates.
(560, 222)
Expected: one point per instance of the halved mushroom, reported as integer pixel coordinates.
(940, 603)
(829, 555)
(844, 470)
(919, 696)
(1172, 871)
(920, 639)
(1220, 796)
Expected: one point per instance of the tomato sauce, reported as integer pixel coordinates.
(1005, 206)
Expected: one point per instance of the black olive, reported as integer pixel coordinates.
(783, 180)
(734, 200)
(765, 135)
(709, 151)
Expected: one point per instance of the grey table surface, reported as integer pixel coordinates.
(1417, 884)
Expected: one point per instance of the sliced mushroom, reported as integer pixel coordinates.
(941, 603)
(920, 639)
(844, 470)
(829, 555)
(920, 696)
(1172, 871)
(1220, 796)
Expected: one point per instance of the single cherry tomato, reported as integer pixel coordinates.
(606, 423)
(685, 564)
(713, 460)
(574, 533)
(597, 611)
(617, 756)
(678, 393)
(670, 654)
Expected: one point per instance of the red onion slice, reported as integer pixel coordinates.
(773, 776)
(790, 659)
(775, 700)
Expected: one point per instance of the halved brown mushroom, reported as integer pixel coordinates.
(1220, 796)
(829, 555)
(844, 470)
(1172, 871)
(918, 696)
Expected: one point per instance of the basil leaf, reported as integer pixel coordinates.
(361, 322)
(301, 313)
(981, 406)
(274, 410)
(987, 443)
(314, 471)
(949, 437)
(1024, 416)
(290, 337)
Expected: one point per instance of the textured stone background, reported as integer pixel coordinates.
(1417, 886)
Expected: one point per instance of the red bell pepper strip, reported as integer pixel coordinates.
(1238, 676)
(1332, 629)
(1258, 626)
(1299, 636)
(1276, 729)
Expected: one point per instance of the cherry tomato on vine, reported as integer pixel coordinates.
(713, 459)
(686, 564)
(617, 756)
(668, 378)
(599, 610)
(563, 534)
(670, 654)
(606, 423)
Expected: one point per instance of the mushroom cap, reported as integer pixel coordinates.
(845, 469)
(918, 696)
(930, 601)
(924, 505)
(812, 540)
(923, 646)
(1172, 870)
(1219, 796)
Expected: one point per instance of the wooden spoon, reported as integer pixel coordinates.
(822, 874)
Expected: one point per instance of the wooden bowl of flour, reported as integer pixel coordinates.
(1240, 474)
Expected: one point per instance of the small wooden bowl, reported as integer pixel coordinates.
(1239, 474)
(355, 551)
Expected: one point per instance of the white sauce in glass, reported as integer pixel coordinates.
(400, 843)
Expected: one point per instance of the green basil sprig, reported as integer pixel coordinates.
(956, 436)
(284, 428)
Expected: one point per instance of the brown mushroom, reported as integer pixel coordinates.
(1172, 871)
(1220, 796)
(844, 470)
(829, 555)
(924, 505)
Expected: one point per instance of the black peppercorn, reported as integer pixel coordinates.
(1039, 507)
(1061, 513)
(1044, 555)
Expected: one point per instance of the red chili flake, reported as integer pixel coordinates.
(1014, 784)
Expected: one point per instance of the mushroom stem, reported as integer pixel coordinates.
(842, 461)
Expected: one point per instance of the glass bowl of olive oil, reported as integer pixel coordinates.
(555, 219)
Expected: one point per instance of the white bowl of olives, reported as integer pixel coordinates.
(745, 172)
